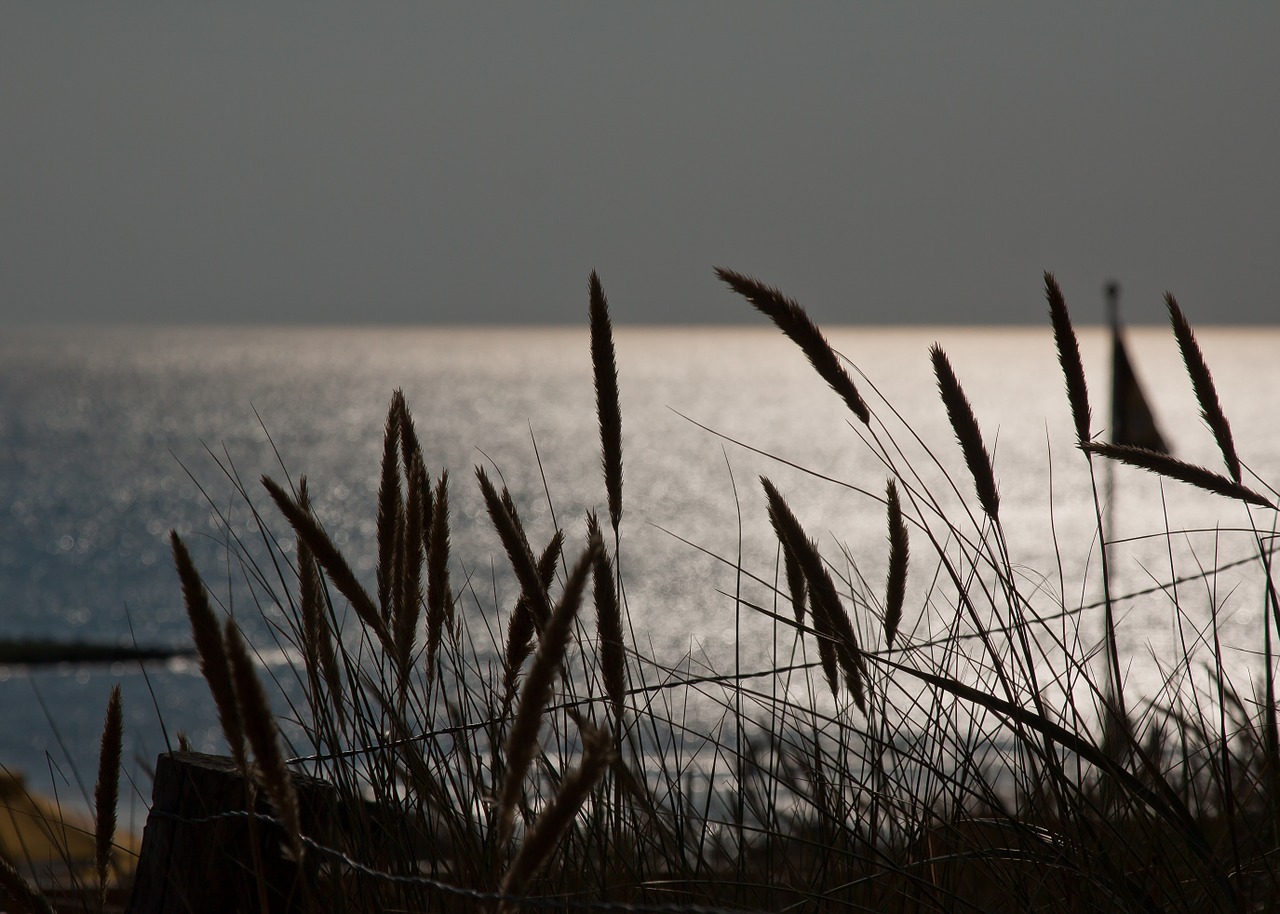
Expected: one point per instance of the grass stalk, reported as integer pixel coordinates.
(106, 793)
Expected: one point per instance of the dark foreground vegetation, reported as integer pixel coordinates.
(536, 757)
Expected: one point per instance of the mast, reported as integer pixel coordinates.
(1112, 292)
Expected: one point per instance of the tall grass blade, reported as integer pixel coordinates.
(522, 625)
(1064, 336)
(1202, 381)
(899, 556)
(965, 426)
(439, 595)
(207, 634)
(1159, 796)
(555, 819)
(390, 505)
(408, 609)
(824, 599)
(608, 407)
(507, 524)
(409, 444)
(792, 320)
(1164, 465)
(795, 582)
(317, 637)
(264, 738)
(107, 792)
(307, 528)
(613, 658)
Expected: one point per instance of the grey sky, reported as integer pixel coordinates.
(470, 163)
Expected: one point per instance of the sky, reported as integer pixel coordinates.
(471, 163)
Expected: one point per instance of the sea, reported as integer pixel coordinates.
(110, 437)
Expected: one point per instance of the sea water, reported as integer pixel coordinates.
(110, 437)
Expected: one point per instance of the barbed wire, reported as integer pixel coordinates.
(426, 882)
(732, 678)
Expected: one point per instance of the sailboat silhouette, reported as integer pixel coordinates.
(1132, 421)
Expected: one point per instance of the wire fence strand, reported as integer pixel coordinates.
(426, 882)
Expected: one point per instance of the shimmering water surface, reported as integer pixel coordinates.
(108, 438)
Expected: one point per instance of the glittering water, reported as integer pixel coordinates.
(108, 438)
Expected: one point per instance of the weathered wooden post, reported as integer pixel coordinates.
(196, 859)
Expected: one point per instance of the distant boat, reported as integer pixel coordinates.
(1132, 420)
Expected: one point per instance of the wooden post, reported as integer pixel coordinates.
(195, 860)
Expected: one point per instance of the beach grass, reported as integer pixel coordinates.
(540, 757)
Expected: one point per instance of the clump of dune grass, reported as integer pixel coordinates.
(951, 746)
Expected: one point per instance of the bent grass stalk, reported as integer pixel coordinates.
(1172, 468)
(331, 560)
(829, 615)
(555, 818)
(263, 737)
(1202, 382)
(207, 634)
(792, 320)
(522, 626)
(522, 742)
(507, 524)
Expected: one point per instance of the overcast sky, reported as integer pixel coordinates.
(472, 162)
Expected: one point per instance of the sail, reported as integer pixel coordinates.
(1132, 421)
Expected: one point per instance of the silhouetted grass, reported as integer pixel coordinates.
(986, 766)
